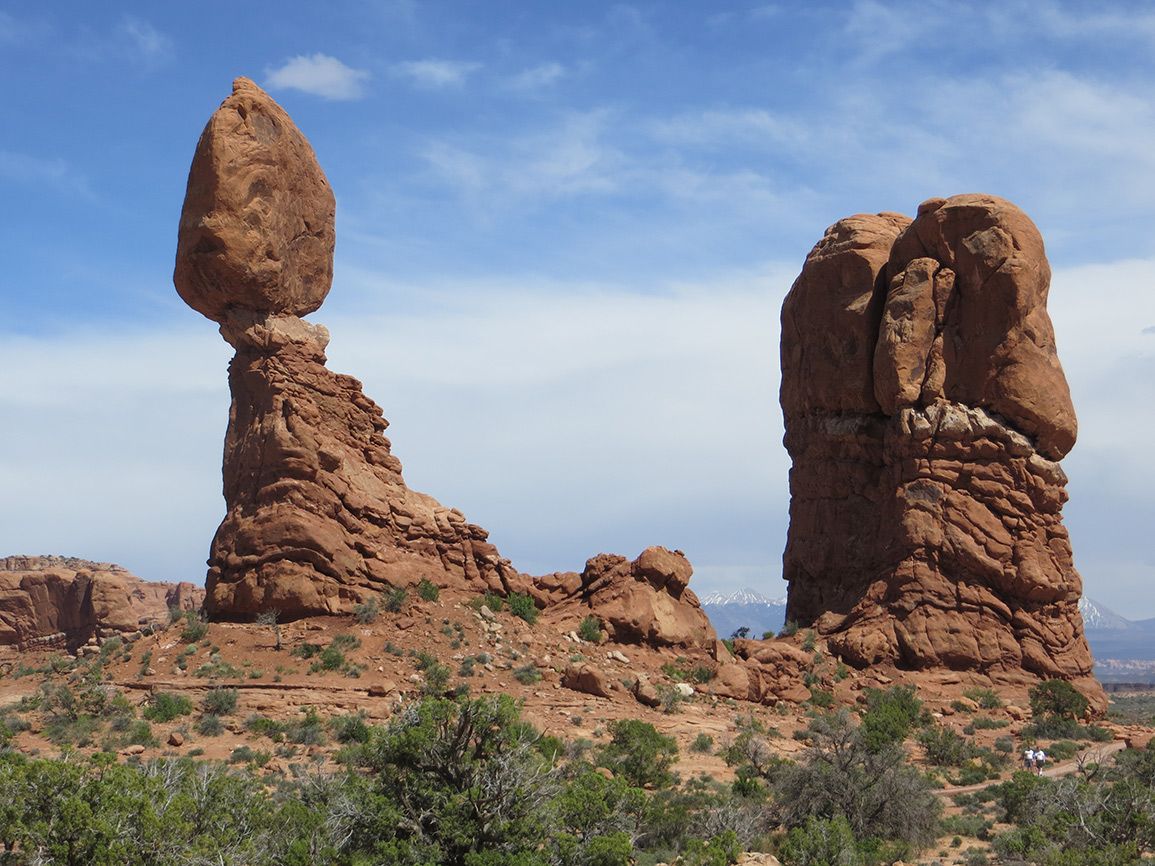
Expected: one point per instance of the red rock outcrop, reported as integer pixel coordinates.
(926, 412)
(318, 515)
(65, 602)
(646, 601)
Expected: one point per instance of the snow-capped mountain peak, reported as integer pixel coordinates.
(740, 596)
(1098, 616)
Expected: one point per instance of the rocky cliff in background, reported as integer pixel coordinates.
(318, 514)
(66, 602)
(926, 412)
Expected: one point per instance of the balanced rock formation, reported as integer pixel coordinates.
(66, 602)
(318, 514)
(926, 412)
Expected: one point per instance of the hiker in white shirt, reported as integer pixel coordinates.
(1040, 760)
(1029, 760)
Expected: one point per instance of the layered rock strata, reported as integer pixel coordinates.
(66, 602)
(926, 413)
(318, 515)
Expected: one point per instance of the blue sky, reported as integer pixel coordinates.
(564, 234)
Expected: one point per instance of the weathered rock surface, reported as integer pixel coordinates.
(65, 602)
(925, 413)
(256, 231)
(646, 601)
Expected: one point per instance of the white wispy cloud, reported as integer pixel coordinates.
(538, 77)
(149, 43)
(436, 74)
(319, 75)
(53, 172)
(731, 126)
(569, 158)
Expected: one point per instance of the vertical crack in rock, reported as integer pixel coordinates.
(926, 412)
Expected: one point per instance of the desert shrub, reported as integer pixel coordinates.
(702, 744)
(427, 590)
(1057, 698)
(209, 726)
(522, 605)
(821, 698)
(366, 612)
(681, 671)
(248, 755)
(639, 753)
(395, 598)
(982, 723)
(309, 730)
(789, 629)
(822, 842)
(1098, 734)
(988, 699)
(194, 629)
(350, 728)
(944, 747)
(809, 640)
(1006, 745)
(220, 702)
(873, 788)
(266, 727)
(527, 674)
(165, 706)
(590, 629)
(463, 783)
(890, 716)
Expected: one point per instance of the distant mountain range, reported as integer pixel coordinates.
(745, 608)
(1112, 637)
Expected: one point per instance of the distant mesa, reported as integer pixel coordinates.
(318, 516)
(65, 603)
(926, 412)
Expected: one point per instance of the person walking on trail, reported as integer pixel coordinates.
(1029, 760)
(1040, 760)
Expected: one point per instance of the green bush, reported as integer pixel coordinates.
(367, 612)
(890, 716)
(209, 726)
(988, 699)
(395, 598)
(522, 605)
(1057, 698)
(527, 674)
(165, 706)
(220, 702)
(427, 590)
(702, 744)
(590, 629)
(194, 629)
(639, 754)
(873, 788)
(349, 728)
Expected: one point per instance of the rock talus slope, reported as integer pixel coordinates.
(926, 412)
(318, 515)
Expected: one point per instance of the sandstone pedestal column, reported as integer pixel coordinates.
(926, 414)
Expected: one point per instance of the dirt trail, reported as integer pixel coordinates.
(1064, 768)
